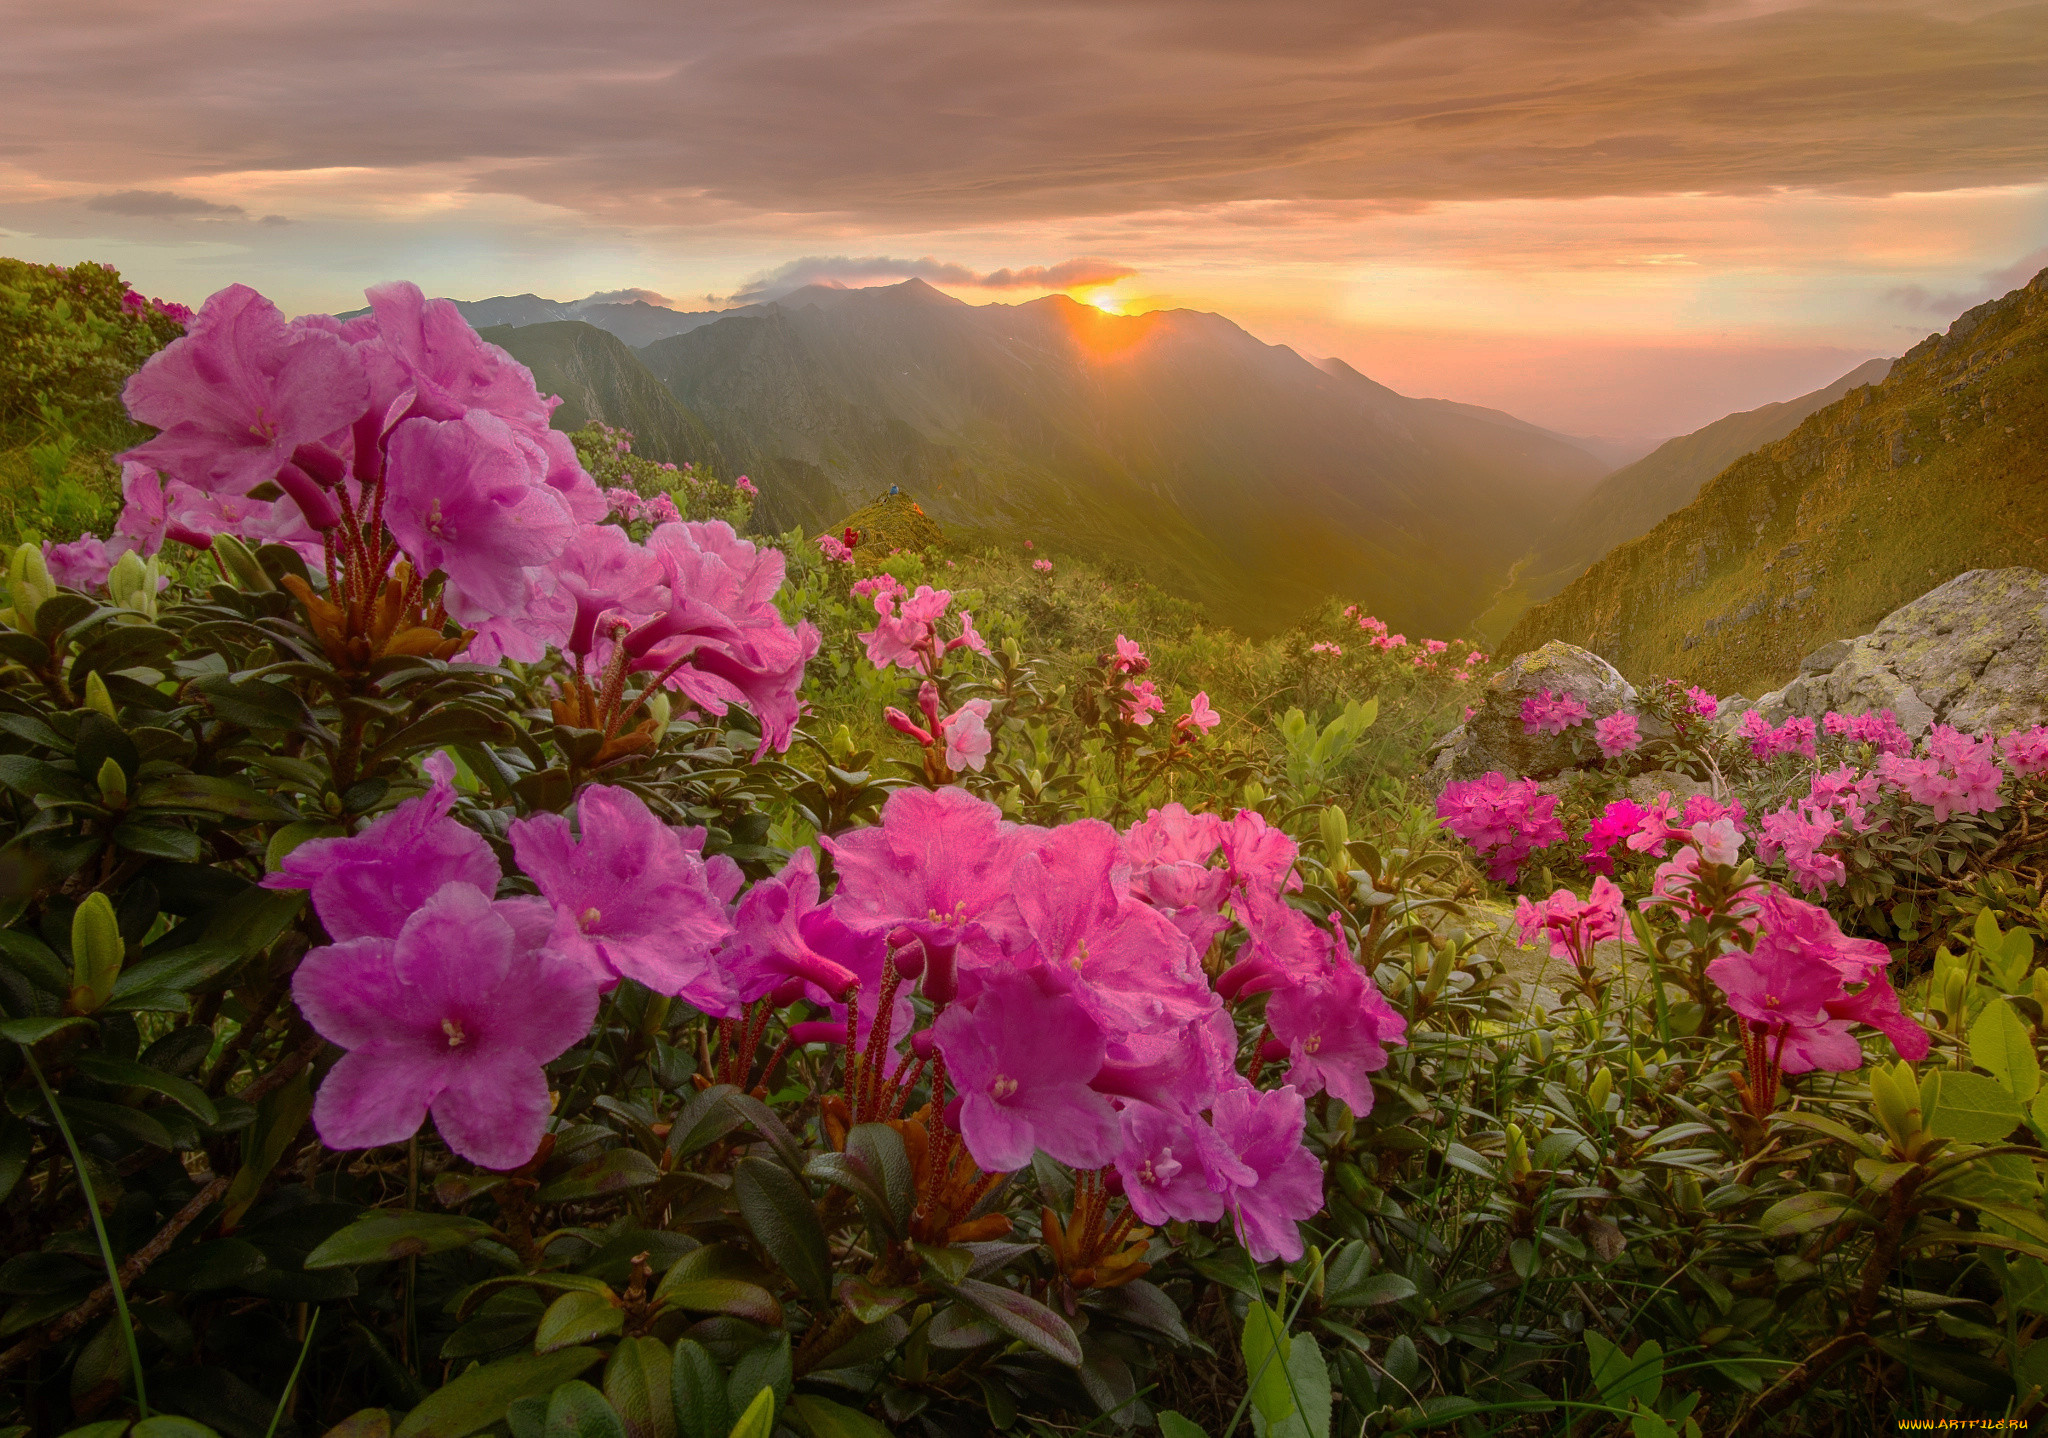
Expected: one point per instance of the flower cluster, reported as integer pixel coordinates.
(1795, 736)
(1504, 820)
(1549, 713)
(1617, 733)
(1574, 925)
(906, 633)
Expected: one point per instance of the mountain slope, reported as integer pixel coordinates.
(1868, 502)
(599, 377)
(1232, 471)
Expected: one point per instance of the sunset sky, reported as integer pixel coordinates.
(1614, 217)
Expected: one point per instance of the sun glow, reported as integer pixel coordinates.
(1106, 302)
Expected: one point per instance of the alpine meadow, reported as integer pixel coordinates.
(1203, 719)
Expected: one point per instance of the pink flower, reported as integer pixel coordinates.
(1474, 658)
(1617, 822)
(1130, 659)
(1160, 1159)
(367, 885)
(463, 498)
(722, 641)
(1504, 821)
(1702, 702)
(1043, 566)
(1021, 1059)
(1283, 949)
(1574, 925)
(1719, 842)
(833, 550)
(143, 518)
(447, 369)
(1798, 831)
(1320, 647)
(602, 570)
(1617, 734)
(1335, 1030)
(239, 393)
(1260, 857)
(966, 736)
(747, 487)
(634, 896)
(1169, 852)
(1435, 646)
(1199, 715)
(781, 932)
(907, 639)
(84, 563)
(1262, 1132)
(457, 1014)
(1549, 713)
(1141, 702)
(2026, 751)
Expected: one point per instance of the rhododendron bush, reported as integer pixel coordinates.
(496, 944)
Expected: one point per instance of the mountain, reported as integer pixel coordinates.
(599, 377)
(637, 322)
(1228, 470)
(1869, 501)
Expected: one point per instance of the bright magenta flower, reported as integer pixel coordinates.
(1575, 925)
(367, 885)
(1160, 1157)
(1130, 659)
(1262, 1131)
(601, 569)
(239, 393)
(782, 932)
(635, 898)
(1617, 734)
(457, 1015)
(1169, 852)
(1335, 1030)
(1021, 1059)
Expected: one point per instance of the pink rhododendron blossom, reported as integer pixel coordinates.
(1617, 735)
(1575, 925)
(1335, 1030)
(457, 1015)
(1021, 1059)
(1141, 701)
(1504, 821)
(1702, 702)
(1435, 646)
(1959, 774)
(1160, 1156)
(2026, 751)
(143, 518)
(239, 393)
(1659, 827)
(1474, 658)
(83, 563)
(1880, 729)
(1322, 647)
(1129, 658)
(1797, 832)
(876, 584)
(367, 885)
(781, 932)
(633, 895)
(1795, 736)
(1262, 1132)
(1260, 857)
(833, 550)
(966, 737)
(602, 570)
(1619, 820)
(747, 487)
(1549, 713)
(1199, 716)
(1283, 949)
(722, 641)
(1718, 841)
(1043, 566)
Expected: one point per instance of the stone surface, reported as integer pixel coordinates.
(1492, 739)
(1972, 653)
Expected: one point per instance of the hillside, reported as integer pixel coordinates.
(1869, 501)
(599, 377)
(1230, 471)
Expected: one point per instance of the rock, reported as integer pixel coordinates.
(1972, 653)
(1492, 739)
(1644, 788)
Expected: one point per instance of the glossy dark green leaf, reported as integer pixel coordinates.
(706, 1119)
(777, 1207)
(764, 1122)
(159, 841)
(32, 778)
(127, 1074)
(180, 970)
(385, 1234)
(28, 1032)
(697, 1389)
(219, 1264)
(822, 1418)
(615, 1171)
(758, 1421)
(201, 793)
(576, 1410)
(578, 1318)
(91, 1116)
(880, 1149)
(34, 960)
(253, 704)
(636, 1384)
(480, 1397)
(1023, 1318)
(723, 1295)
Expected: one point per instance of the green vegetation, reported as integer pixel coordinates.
(1870, 502)
(599, 378)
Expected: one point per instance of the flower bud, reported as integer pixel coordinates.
(1598, 1091)
(113, 784)
(1336, 836)
(1895, 1102)
(786, 993)
(908, 956)
(1540, 1045)
(96, 695)
(29, 585)
(133, 582)
(239, 566)
(1518, 1163)
(96, 954)
(659, 709)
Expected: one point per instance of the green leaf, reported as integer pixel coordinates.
(1967, 1107)
(576, 1410)
(765, 1365)
(159, 841)
(1023, 1318)
(29, 1032)
(1371, 1292)
(165, 1425)
(697, 1389)
(1172, 1425)
(1960, 1373)
(219, 1264)
(704, 1120)
(765, 1123)
(179, 971)
(2002, 1044)
(208, 794)
(15, 1145)
(97, 951)
(777, 1208)
(127, 1074)
(1265, 1346)
(614, 1171)
(480, 1397)
(1620, 1377)
(576, 1318)
(1803, 1212)
(384, 1234)
(822, 1418)
(723, 1295)
(759, 1419)
(636, 1384)
(35, 960)
(879, 1149)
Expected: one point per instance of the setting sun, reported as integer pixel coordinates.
(1104, 301)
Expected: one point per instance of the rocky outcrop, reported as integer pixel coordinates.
(1493, 738)
(1972, 654)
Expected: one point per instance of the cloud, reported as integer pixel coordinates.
(1947, 304)
(626, 297)
(843, 269)
(921, 115)
(167, 205)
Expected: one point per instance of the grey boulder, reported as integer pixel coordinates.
(1492, 739)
